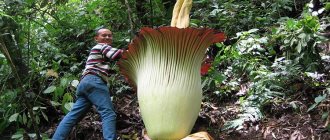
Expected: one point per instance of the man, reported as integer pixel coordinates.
(93, 90)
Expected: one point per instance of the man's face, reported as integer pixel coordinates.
(104, 36)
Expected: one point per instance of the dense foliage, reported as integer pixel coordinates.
(275, 51)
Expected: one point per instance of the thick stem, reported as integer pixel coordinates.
(130, 18)
(16, 75)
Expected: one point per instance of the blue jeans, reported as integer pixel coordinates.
(92, 90)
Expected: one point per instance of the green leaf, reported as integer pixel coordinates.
(20, 119)
(294, 106)
(37, 119)
(44, 3)
(317, 100)
(13, 117)
(68, 106)
(290, 24)
(327, 6)
(325, 115)
(237, 123)
(24, 118)
(44, 115)
(274, 30)
(302, 35)
(54, 103)
(17, 136)
(293, 41)
(29, 124)
(29, 2)
(49, 90)
(298, 48)
(218, 77)
(3, 125)
(59, 92)
(32, 135)
(320, 98)
(253, 30)
(263, 40)
(64, 82)
(42, 107)
(74, 83)
(67, 98)
(312, 107)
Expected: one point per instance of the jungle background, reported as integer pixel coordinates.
(268, 80)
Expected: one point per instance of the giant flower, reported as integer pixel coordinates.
(163, 65)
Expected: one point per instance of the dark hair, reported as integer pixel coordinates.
(98, 29)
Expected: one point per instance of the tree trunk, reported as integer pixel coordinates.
(9, 36)
(9, 47)
(130, 18)
(142, 12)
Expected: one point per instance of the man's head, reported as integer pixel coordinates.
(103, 36)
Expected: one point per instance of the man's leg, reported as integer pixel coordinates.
(100, 97)
(79, 109)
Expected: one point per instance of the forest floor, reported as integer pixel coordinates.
(280, 122)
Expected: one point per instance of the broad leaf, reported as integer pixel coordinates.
(50, 89)
(13, 117)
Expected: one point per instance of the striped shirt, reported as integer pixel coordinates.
(99, 59)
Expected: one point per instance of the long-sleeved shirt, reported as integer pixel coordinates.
(99, 59)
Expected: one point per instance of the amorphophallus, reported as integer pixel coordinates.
(163, 65)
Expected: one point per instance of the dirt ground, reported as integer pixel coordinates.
(281, 124)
